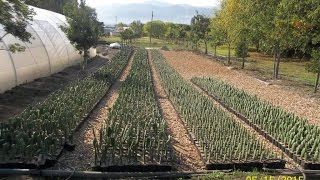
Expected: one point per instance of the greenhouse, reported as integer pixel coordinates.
(48, 52)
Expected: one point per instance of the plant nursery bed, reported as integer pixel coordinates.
(304, 164)
(44, 161)
(246, 166)
(134, 168)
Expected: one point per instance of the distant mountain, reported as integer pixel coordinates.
(127, 13)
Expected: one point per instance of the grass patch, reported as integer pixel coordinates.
(144, 42)
(294, 71)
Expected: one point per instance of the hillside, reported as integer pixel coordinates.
(142, 11)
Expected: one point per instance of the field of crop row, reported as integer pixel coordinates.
(221, 138)
(47, 126)
(135, 132)
(291, 131)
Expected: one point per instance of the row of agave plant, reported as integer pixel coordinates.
(294, 132)
(135, 132)
(45, 127)
(221, 138)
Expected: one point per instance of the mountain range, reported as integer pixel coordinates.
(126, 13)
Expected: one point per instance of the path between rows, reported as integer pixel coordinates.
(185, 151)
(191, 65)
(83, 155)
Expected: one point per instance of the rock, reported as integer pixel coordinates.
(231, 68)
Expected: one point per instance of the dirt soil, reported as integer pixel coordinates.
(191, 65)
(83, 155)
(186, 155)
(14, 101)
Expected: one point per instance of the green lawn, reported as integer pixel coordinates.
(145, 42)
(289, 68)
(221, 50)
(294, 71)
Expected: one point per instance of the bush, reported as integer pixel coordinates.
(165, 48)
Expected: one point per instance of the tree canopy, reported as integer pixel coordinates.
(158, 28)
(282, 27)
(200, 28)
(52, 5)
(137, 28)
(84, 29)
(14, 17)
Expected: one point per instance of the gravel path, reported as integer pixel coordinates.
(191, 65)
(186, 154)
(83, 155)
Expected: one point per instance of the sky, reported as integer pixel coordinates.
(203, 3)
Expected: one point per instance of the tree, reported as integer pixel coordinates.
(137, 28)
(127, 35)
(158, 29)
(256, 22)
(241, 50)
(14, 17)
(172, 31)
(305, 19)
(182, 32)
(314, 67)
(200, 27)
(217, 34)
(52, 5)
(84, 29)
(241, 29)
(120, 26)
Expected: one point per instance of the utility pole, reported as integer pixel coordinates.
(151, 26)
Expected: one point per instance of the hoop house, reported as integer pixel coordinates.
(48, 52)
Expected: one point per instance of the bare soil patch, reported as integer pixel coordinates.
(14, 101)
(185, 152)
(83, 155)
(191, 65)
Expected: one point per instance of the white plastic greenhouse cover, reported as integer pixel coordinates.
(48, 52)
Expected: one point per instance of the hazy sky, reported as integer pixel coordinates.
(204, 3)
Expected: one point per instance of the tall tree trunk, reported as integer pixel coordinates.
(85, 58)
(229, 54)
(215, 50)
(318, 77)
(258, 46)
(206, 46)
(275, 59)
(278, 64)
(243, 58)
(317, 83)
